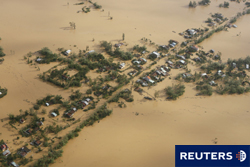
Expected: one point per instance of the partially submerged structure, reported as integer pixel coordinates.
(24, 151)
(67, 52)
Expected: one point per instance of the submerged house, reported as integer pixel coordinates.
(148, 79)
(39, 123)
(39, 59)
(173, 43)
(22, 121)
(191, 31)
(91, 51)
(53, 114)
(170, 62)
(194, 48)
(212, 24)
(181, 57)
(14, 164)
(212, 83)
(155, 54)
(67, 52)
(118, 45)
(37, 142)
(182, 61)
(143, 60)
(122, 65)
(6, 153)
(24, 151)
(4, 147)
(71, 112)
(28, 131)
(204, 75)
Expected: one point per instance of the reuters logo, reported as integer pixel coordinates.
(241, 156)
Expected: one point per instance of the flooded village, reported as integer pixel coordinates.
(96, 83)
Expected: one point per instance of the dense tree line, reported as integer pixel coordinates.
(48, 159)
(232, 86)
(209, 34)
(213, 66)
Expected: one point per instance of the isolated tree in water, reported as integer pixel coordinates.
(190, 4)
(123, 36)
(72, 24)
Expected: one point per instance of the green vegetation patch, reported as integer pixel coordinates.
(175, 91)
(3, 92)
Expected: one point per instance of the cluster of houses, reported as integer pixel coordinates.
(178, 65)
(85, 102)
(138, 89)
(212, 24)
(22, 152)
(36, 142)
(155, 76)
(4, 147)
(36, 128)
(232, 25)
(145, 80)
(39, 59)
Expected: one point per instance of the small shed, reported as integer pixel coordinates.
(204, 74)
(22, 121)
(6, 153)
(14, 164)
(155, 54)
(122, 65)
(67, 52)
(182, 61)
(53, 114)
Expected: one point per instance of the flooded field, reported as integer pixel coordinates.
(125, 138)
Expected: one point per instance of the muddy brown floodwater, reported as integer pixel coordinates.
(124, 139)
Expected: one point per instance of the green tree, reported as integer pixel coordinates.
(123, 36)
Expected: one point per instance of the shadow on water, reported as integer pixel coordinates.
(66, 28)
